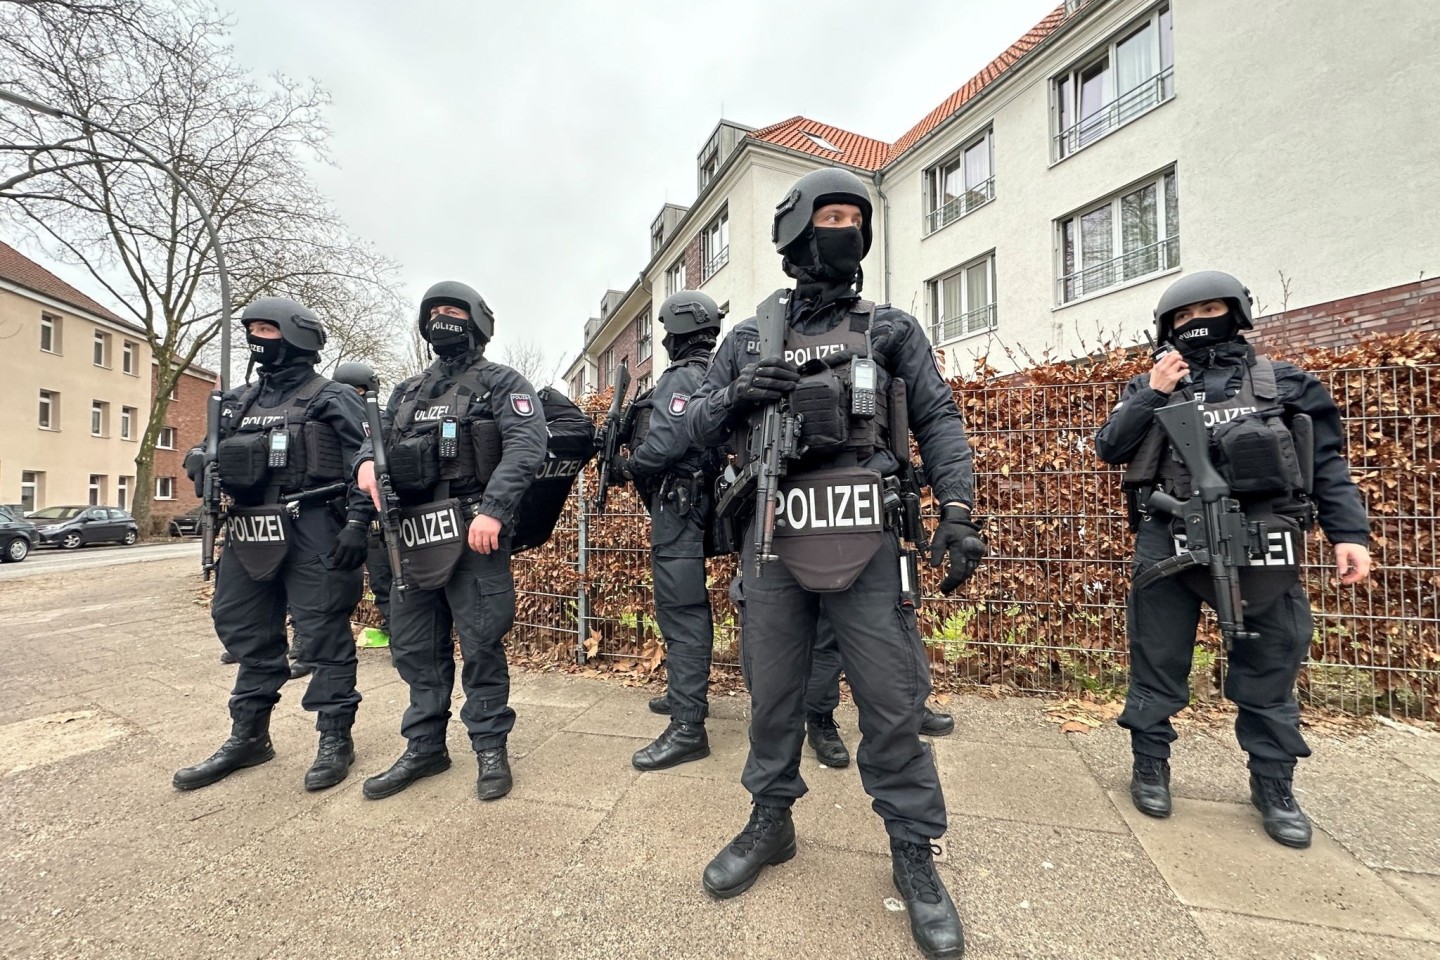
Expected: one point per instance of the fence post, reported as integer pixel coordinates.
(582, 592)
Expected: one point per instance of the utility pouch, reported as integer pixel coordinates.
(243, 460)
(486, 447)
(414, 463)
(819, 400)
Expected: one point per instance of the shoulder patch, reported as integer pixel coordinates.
(522, 403)
(678, 402)
(752, 347)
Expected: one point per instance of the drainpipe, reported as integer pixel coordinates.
(884, 236)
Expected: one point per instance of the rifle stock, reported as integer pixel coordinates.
(210, 484)
(610, 435)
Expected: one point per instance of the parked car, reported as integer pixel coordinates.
(70, 527)
(17, 535)
(187, 524)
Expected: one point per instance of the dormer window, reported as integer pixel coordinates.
(821, 142)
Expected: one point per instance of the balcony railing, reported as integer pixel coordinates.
(1150, 93)
(1137, 263)
(952, 328)
(966, 203)
(721, 257)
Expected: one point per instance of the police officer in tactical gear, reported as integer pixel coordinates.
(377, 558)
(836, 549)
(290, 433)
(1201, 317)
(671, 476)
(464, 440)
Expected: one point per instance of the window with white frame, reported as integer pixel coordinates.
(709, 166)
(1133, 234)
(99, 419)
(607, 368)
(644, 383)
(675, 277)
(164, 488)
(716, 246)
(49, 333)
(49, 418)
(32, 483)
(127, 423)
(1123, 80)
(962, 302)
(960, 183)
(167, 438)
(644, 336)
(102, 348)
(657, 238)
(122, 492)
(127, 359)
(97, 489)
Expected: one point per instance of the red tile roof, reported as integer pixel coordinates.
(855, 150)
(979, 82)
(22, 271)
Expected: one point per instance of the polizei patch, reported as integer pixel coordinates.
(257, 528)
(522, 403)
(678, 402)
(429, 528)
(820, 506)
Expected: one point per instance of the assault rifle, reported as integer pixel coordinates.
(210, 484)
(609, 439)
(1216, 531)
(358, 375)
(902, 496)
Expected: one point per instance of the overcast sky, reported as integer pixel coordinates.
(525, 148)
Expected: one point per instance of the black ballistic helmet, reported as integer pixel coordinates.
(299, 326)
(1197, 288)
(462, 295)
(688, 311)
(815, 190)
(352, 373)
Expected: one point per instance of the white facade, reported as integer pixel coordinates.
(1303, 139)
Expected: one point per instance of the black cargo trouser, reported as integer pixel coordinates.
(250, 621)
(1260, 674)
(682, 606)
(479, 601)
(884, 658)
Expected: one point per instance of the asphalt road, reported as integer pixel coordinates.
(54, 560)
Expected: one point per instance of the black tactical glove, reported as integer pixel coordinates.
(761, 382)
(195, 469)
(958, 536)
(620, 469)
(351, 546)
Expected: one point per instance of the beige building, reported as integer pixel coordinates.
(75, 386)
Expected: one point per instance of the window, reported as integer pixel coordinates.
(709, 166)
(961, 183)
(644, 336)
(962, 302)
(49, 333)
(49, 410)
(644, 383)
(99, 419)
(164, 488)
(102, 348)
(167, 438)
(675, 278)
(1133, 234)
(97, 491)
(127, 359)
(1127, 78)
(657, 238)
(716, 246)
(122, 492)
(607, 368)
(31, 484)
(174, 393)
(821, 142)
(127, 423)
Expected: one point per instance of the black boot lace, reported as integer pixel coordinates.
(762, 819)
(826, 726)
(1150, 769)
(1277, 793)
(917, 862)
(332, 746)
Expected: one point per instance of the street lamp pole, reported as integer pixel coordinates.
(160, 165)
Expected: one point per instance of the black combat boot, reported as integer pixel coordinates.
(249, 746)
(332, 760)
(768, 839)
(934, 724)
(227, 657)
(680, 743)
(1150, 786)
(1284, 820)
(494, 780)
(660, 705)
(934, 921)
(824, 736)
(298, 665)
(415, 763)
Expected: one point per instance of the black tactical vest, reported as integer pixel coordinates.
(823, 397)
(643, 408)
(311, 454)
(414, 441)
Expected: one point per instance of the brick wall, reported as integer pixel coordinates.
(1411, 306)
(187, 415)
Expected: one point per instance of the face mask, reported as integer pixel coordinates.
(838, 251)
(450, 337)
(1200, 335)
(265, 352)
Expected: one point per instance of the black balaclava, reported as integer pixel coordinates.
(450, 336)
(826, 264)
(688, 344)
(266, 352)
(1200, 335)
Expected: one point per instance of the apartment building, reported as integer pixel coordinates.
(184, 428)
(75, 385)
(1043, 205)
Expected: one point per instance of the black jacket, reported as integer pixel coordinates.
(668, 442)
(901, 350)
(1338, 502)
